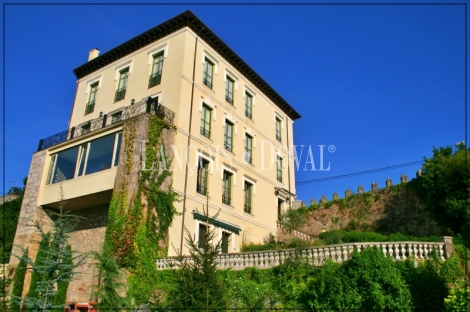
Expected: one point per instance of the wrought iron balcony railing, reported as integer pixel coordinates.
(120, 95)
(207, 82)
(248, 113)
(201, 189)
(228, 146)
(155, 79)
(90, 107)
(229, 99)
(126, 112)
(278, 137)
(247, 208)
(248, 158)
(226, 199)
(205, 132)
(279, 177)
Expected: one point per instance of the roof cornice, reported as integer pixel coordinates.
(187, 19)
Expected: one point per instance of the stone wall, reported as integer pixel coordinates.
(87, 236)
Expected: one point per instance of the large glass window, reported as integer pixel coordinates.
(156, 75)
(248, 193)
(226, 187)
(229, 90)
(90, 106)
(202, 234)
(248, 149)
(278, 129)
(248, 105)
(206, 121)
(208, 72)
(122, 86)
(279, 168)
(228, 136)
(88, 158)
(202, 170)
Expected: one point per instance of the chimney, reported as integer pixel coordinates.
(93, 54)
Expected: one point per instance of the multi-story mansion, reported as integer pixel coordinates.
(232, 143)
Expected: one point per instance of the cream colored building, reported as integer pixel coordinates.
(236, 131)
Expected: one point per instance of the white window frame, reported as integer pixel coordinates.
(207, 101)
(118, 70)
(92, 82)
(251, 181)
(232, 237)
(214, 61)
(232, 171)
(250, 92)
(155, 51)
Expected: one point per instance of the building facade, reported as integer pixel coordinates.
(232, 143)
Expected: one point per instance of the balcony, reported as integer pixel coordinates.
(207, 82)
(126, 112)
(90, 107)
(155, 79)
(120, 95)
(248, 113)
(205, 132)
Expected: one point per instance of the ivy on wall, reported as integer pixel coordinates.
(137, 232)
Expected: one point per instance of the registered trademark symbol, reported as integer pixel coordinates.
(331, 148)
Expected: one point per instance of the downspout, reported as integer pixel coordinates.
(187, 149)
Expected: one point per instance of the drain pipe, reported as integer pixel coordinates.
(187, 149)
(288, 160)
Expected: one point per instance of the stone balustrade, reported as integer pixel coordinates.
(319, 255)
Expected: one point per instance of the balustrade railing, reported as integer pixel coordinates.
(123, 113)
(319, 255)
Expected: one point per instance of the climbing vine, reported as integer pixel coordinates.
(137, 230)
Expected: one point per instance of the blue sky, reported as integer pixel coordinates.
(384, 84)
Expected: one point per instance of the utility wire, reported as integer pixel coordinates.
(358, 173)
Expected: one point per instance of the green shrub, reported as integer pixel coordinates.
(258, 247)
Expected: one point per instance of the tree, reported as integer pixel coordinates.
(444, 186)
(106, 292)
(291, 219)
(18, 280)
(198, 284)
(55, 267)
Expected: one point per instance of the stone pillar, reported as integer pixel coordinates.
(448, 246)
(419, 173)
(375, 187)
(313, 202)
(404, 178)
(323, 199)
(335, 195)
(360, 189)
(388, 182)
(348, 193)
(302, 204)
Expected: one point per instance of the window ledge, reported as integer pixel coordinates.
(248, 214)
(208, 89)
(201, 195)
(229, 152)
(228, 206)
(206, 138)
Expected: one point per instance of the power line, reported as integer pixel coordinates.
(358, 173)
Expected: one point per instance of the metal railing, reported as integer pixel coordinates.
(247, 207)
(90, 107)
(207, 82)
(279, 177)
(278, 137)
(248, 157)
(248, 114)
(229, 99)
(120, 94)
(226, 198)
(127, 112)
(205, 132)
(201, 186)
(155, 79)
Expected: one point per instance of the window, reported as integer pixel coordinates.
(202, 170)
(202, 234)
(229, 89)
(248, 105)
(226, 187)
(228, 136)
(248, 193)
(225, 242)
(280, 203)
(248, 149)
(278, 129)
(206, 121)
(88, 158)
(122, 86)
(116, 117)
(90, 106)
(279, 168)
(156, 76)
(208, 73)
